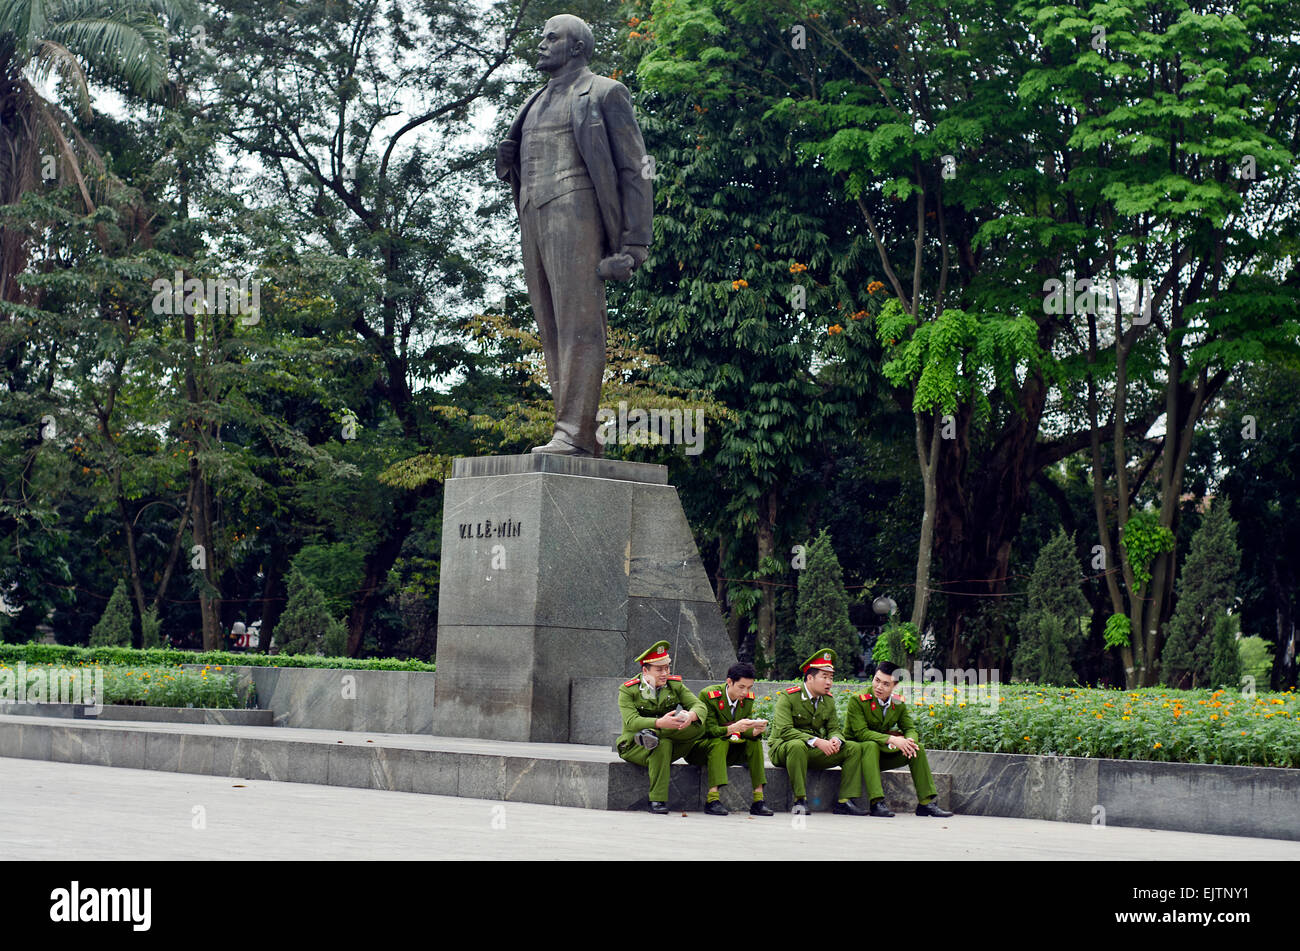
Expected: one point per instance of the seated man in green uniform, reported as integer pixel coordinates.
(654, 733)
(806, 735)
(734, 737)
(883, 724)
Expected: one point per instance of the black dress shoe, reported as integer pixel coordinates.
(659, 808)
(848, 808)
(800, 807)
(760, 809)
(879, 809)
(715, 808)
(932, 809)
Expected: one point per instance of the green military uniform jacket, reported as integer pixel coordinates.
(720, 715)
(639, 713)
(867, 721)
(795, 718)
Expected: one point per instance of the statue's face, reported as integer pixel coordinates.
(554, 49)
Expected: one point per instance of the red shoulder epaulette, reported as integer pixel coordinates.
(900, 700)
(862, 697)
(632, 682)
(674, 677)
(793, 689)
(751, 695)
(715, 694)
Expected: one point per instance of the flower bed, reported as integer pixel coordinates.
(1154, 723)
(141, 686)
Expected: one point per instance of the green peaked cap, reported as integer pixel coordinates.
(657, 653)
(823, 658)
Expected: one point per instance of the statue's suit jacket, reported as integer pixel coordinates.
(609, 140)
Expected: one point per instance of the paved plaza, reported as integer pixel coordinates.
(64, 810)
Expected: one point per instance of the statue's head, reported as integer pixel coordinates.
(564, 38)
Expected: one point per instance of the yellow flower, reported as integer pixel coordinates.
(1157, 746)
(1214, 716)
(1026, 738)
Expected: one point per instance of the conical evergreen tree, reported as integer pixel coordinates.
(306, 626)
(1206, 587)
(1049, 626)
(1225, 663)
(823, 608)
(150, 628)
(114, 628)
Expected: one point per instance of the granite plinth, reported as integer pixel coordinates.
(552, 564)
(469, 466)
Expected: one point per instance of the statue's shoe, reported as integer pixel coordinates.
(561, 448)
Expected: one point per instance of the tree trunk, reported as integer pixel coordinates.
(767, 602)
(927, 457)
(379, 561)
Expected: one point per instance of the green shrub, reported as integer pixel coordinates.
(114, 627)
(1256, 659)
(823, 607)
(1050, 624)
(306, 626)
(1225, 668)
(150, 628)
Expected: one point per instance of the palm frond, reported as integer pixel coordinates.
(132, 45)
(57, 58)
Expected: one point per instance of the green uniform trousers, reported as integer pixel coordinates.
(688, 743)
(725, 753)
(877, 759)
(797, 758)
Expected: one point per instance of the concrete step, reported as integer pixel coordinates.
(141, 714)
(560, 774)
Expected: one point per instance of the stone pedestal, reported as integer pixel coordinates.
(556, 567)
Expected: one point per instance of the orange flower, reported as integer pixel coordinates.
(835, 329)
(874, 286)
(737, 285)
(797, 267)
(859, 315)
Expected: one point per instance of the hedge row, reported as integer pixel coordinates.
(166, 657)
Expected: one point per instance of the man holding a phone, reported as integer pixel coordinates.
(734, 737)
